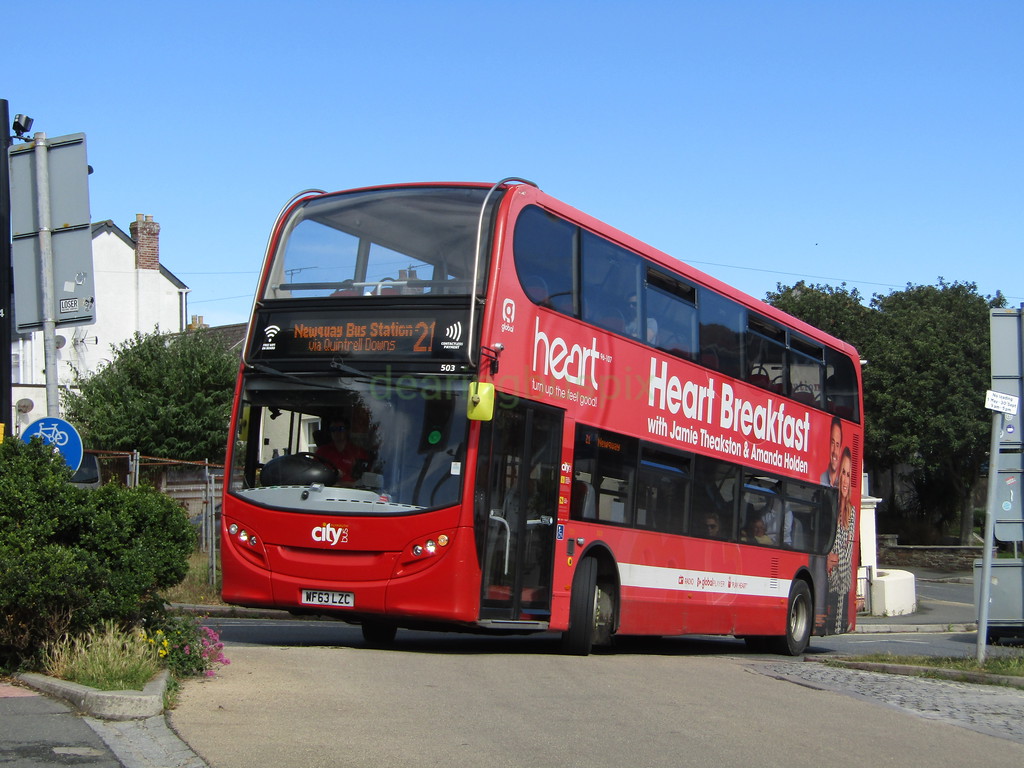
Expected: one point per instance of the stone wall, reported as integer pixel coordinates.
(936, 558)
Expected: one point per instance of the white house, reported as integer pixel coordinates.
(134, 292)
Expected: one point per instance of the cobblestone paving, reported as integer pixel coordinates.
(990, 709)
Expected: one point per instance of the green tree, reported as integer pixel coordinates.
(928, 367)
(924, 386)
(166, 395)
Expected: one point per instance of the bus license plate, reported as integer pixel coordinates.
(339, 599)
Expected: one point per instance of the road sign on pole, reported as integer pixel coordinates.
(1000, 401)
(61, 434)
(50, 221)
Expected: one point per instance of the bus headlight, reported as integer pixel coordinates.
(430, 546)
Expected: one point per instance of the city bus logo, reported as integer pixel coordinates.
(270, 332)
(330, 534)
(453, 336)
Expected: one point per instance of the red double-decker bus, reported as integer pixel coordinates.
(465, 406)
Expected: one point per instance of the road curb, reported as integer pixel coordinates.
(106, 705)
(933, 628)
(238, 612)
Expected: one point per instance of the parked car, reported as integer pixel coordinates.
(88, 473)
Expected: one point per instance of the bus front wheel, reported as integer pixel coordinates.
(591, 611)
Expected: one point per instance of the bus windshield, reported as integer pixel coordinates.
(358, 446)
(408, 241)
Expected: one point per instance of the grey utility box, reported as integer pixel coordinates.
(1006, 598)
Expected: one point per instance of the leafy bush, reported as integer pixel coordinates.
(71, 558)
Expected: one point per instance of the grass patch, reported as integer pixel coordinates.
(107, 657)
(196, 589)
(1011, 666)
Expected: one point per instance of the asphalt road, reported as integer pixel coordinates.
(310, 693)
(432, 704)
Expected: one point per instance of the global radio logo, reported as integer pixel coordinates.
(508, 316)
(453, 336)
(269, 333)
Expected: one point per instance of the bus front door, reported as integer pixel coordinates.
(520, 502)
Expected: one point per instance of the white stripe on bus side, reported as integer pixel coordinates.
(654, 577)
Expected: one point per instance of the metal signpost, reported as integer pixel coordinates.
(1004, 514)
(6, 289)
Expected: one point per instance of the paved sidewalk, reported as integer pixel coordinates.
(40, 730)
(37, 730)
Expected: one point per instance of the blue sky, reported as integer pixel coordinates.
(871, 143)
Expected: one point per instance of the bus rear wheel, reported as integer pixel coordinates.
(798, 622)
(591, 611)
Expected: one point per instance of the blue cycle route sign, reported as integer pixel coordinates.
(61, 435)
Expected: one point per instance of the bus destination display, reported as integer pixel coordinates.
(395, 334)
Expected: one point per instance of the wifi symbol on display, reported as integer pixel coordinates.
(454, 331)
(271, 331)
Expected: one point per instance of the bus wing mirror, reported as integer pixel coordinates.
(481, 402)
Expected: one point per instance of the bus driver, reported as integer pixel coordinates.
(348, 458)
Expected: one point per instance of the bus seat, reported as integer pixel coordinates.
(347, 288)
(584, 503)
(806, 397)
(562, 302)
(536, 289)
(761, 380)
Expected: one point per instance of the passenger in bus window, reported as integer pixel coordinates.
(794, 534)
(712, 527)
(633, 321)
(755, 531)
(341, 453)
(770, 515)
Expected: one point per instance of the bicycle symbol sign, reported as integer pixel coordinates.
(59, 433)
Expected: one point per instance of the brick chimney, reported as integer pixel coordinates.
(146, 234)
